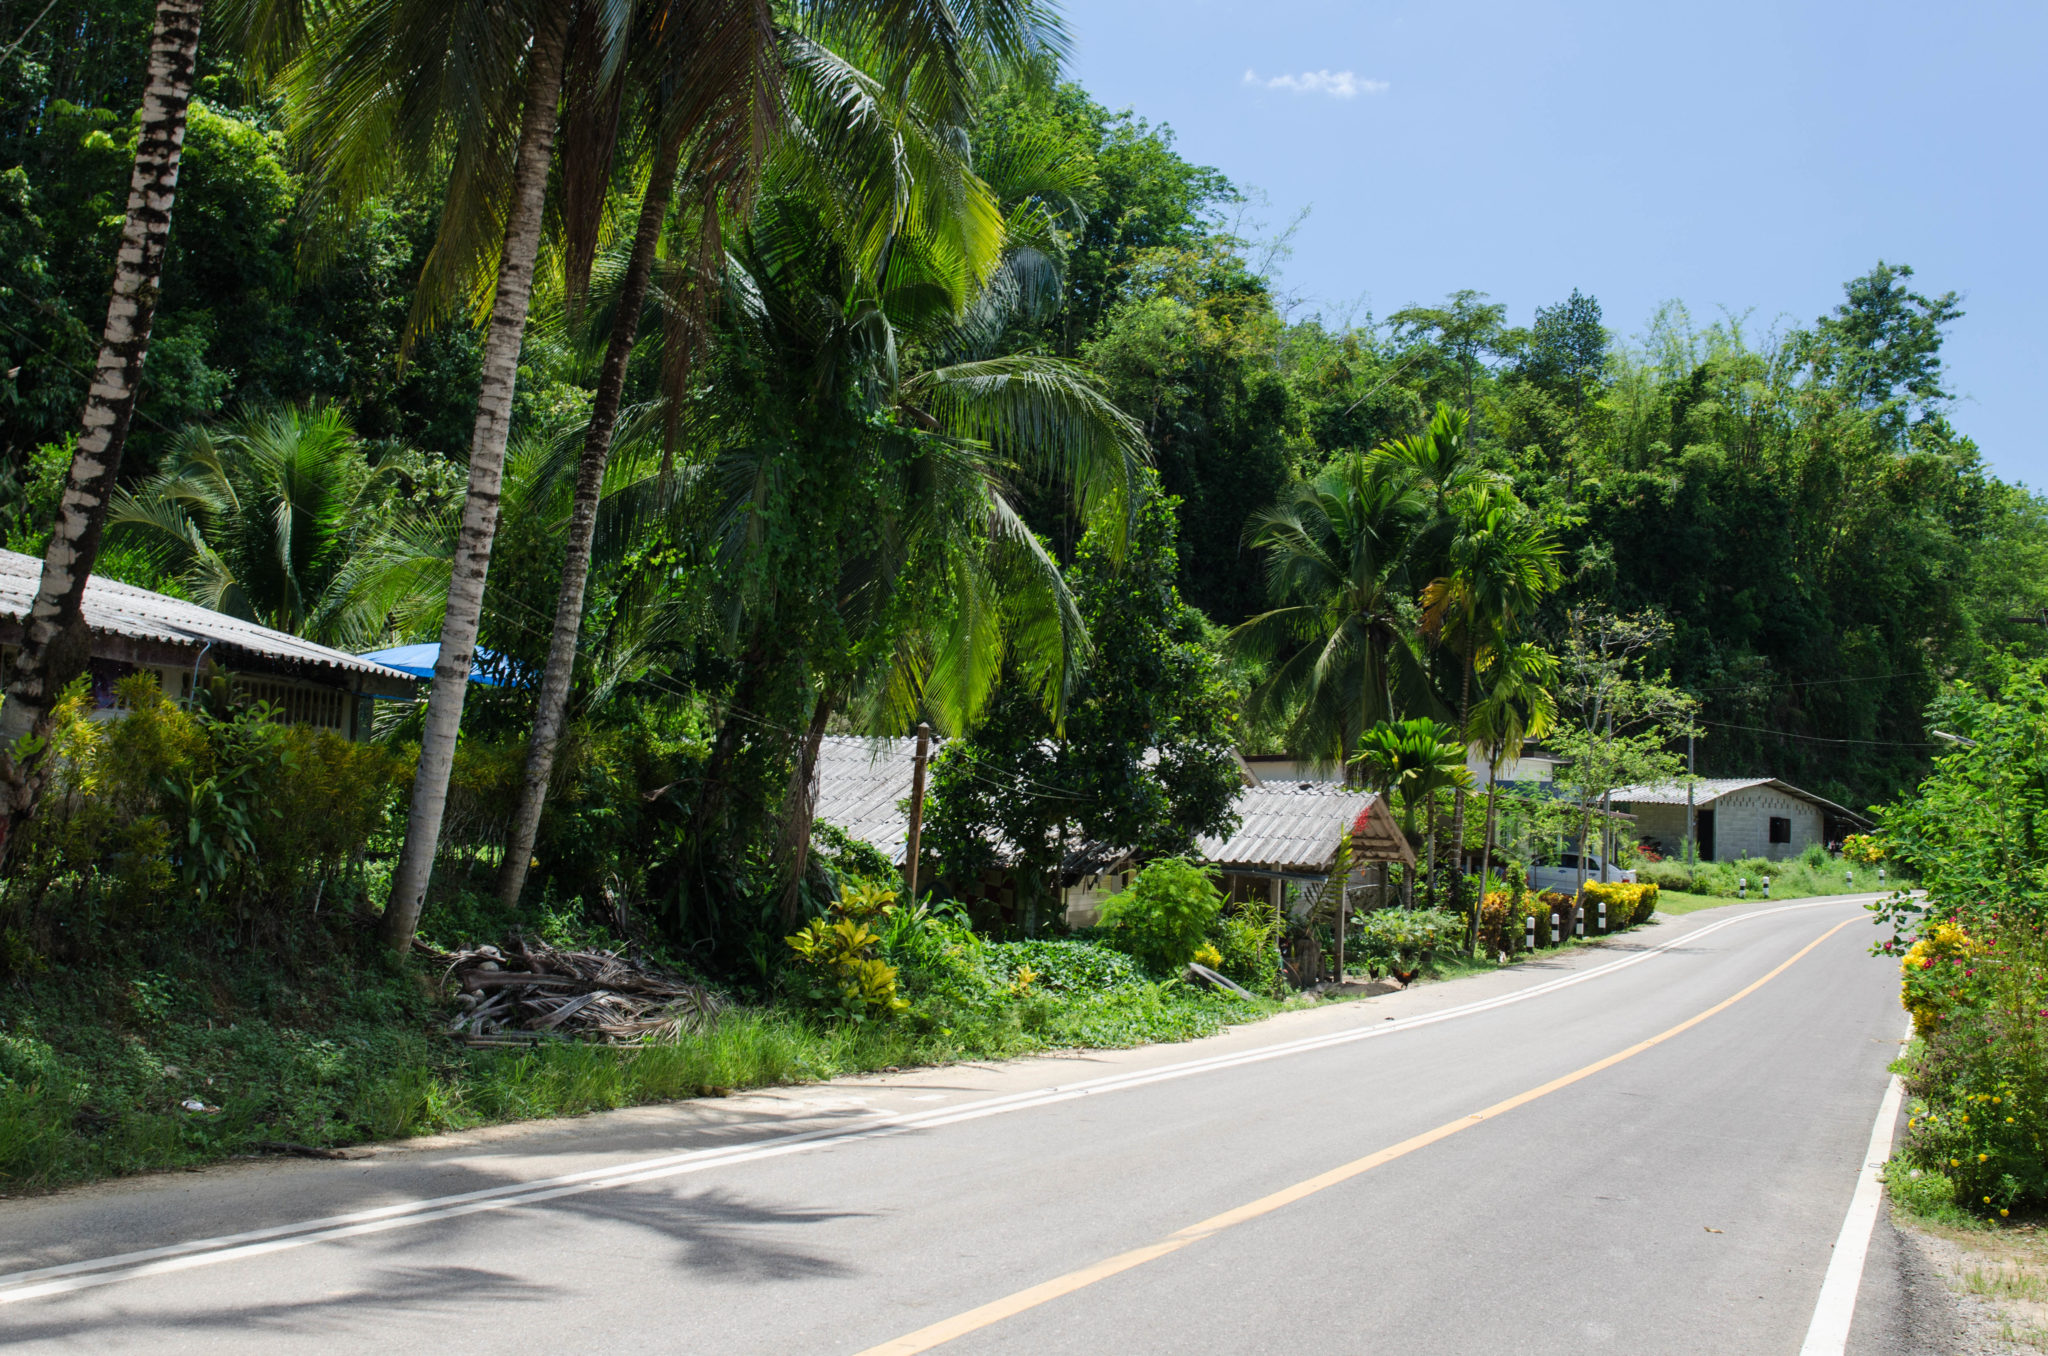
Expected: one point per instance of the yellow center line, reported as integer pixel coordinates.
(937, 1334)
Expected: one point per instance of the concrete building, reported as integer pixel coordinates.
(1737, 818)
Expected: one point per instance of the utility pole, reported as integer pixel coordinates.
(910, 848)
(1692, 841)
(1607, 836)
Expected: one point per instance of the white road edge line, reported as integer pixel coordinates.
(70, 1276)
(1828, 1335)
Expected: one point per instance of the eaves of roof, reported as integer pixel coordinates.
(116, 609)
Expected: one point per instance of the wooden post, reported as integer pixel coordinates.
(911, 848)
(1274, 890)
(1343, 915)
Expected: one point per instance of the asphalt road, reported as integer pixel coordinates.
(1592, 1152)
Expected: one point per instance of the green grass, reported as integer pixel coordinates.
(96, 1064)
(1679, 901)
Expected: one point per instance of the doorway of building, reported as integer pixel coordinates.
(1705, 833)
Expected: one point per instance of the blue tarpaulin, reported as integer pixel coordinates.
(419, 661)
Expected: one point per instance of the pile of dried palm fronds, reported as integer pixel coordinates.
(530, 990)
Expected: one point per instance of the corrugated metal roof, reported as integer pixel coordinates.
(123, 610)
(862, 784)
(1709, 789)
(1297, 828)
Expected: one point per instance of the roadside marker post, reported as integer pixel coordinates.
(1529, 933)
(1579, 921)
(1553, 927)
(1603, 917)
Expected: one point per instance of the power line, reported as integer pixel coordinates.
(1819, 739)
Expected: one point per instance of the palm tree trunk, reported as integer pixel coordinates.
(1458, 809)
(553, 703)
(1429, 885)
(486, 473)
(55, 644)
(1492, 820)
(1485, 851)
(801, 809)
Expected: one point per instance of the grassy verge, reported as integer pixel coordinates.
(1679, 901)
(175, 1058)
(98, 1068)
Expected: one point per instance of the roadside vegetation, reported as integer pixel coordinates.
(1973, 958)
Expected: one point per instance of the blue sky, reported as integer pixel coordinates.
(1743, 155)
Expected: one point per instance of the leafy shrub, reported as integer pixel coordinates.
(1866, 849)
(1168, 909)
(1979, 1085)
(836, 957)
(236, 816)
(1502, 920)
(1245, 940)
(1669, 874)
(1406, 938)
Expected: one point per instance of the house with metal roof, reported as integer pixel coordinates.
(1736, 817)
(1288, 833)
(135, 630)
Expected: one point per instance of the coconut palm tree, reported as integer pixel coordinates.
(279, 518)
(464, 94)
(54, 643)
(1339, 556)
(863, 438)
(470, 93)
(1501, 564)
(886, 163)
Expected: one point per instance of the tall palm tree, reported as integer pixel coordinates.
(464, 94)
(708, 81)
(413, 86)
(1339, 555)
(886, 161)
(1501, 564)
(54, 643)
(1517, 705)
(866, 394)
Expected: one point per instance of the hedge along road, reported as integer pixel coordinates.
(1490, 1164)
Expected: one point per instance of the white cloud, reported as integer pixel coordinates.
(1336, 84)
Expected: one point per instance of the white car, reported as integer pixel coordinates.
(1564, 877)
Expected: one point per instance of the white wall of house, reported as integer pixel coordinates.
(1522, 769)
(1742, 824)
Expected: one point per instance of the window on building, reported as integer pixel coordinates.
(1781, 829)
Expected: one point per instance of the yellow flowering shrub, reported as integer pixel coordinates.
(1937, 974)
(1627, 903)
